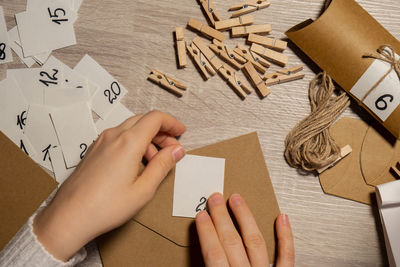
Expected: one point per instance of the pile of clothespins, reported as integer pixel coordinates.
(217, 57)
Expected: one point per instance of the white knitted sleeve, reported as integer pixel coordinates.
(26, 250)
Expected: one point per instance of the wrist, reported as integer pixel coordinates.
(58, 232)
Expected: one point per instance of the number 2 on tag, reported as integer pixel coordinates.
(113, 93)
(203, 201)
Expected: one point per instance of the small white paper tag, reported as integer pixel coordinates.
(5, 49)
(385, 98)
(110, 91)
(75, 130)
(117, 116)
(196, 178)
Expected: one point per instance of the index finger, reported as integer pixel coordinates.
(147, 127)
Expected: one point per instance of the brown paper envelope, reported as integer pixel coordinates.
(380, 151)
(338, 39)
(23, 187)
(245, 173)
(345, 178)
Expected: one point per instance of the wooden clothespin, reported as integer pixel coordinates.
(233, 79)
(395, 170)
(171, 85)
(227, 72)
(201, 61)
(269, 54)
(284, 75)
(227, 54)
(210, 11)
(246, 30)
(181, 46)
(271, 43)
(229, 23)
(259, 63)
(206, 30)
(248, 6)
(258, 83)
(343, 153)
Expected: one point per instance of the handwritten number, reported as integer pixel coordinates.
(46, 153)
(114, 93)
(22, 146)
(381, 104)
(51, 79)
(84, 147)
(203, 201)
(21, 120)
(55, 16)
(2, 53)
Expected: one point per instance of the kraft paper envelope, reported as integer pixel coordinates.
(337, 41)
(345, 179)
(23, 187)
(155, 238)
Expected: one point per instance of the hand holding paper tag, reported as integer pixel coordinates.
(196, 178)
(108, 179)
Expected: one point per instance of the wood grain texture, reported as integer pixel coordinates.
(129, 38)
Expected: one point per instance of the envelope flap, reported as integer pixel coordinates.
(245, 173)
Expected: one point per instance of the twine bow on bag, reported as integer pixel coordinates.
(387, 54)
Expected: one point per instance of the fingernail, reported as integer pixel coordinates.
(216, 198)
(178, 153)
(285, 219)
(202, 216)
(236, 199)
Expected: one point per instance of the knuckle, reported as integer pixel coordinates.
(255, 241)
(166, 163)
(231, 239)
(105, 135)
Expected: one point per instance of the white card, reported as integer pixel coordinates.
(74, 87)
(77, 4)
(196, 178)
(14, 44)
(388, 198)
(40, 131)
(75, 130)
(14, 110)
(110, 91)
(61, 173)
(46, 27)
(34, 81)
(117, 116)
(5, 49)
(385, 98)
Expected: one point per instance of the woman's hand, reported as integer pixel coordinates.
(222, 245)
(106, 189)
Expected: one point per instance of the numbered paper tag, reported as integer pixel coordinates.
(60, 170)
(110, 91)
(196, 178)
(5, 49)
(13, 114)
(117, 116)
(46, 27)
(75, 130)
(40, 131)
(385, 98)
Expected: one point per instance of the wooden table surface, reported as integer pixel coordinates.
(129, 38)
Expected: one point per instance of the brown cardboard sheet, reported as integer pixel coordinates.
(23, 187)
(155, 238)
(345, 179)
(337, 41)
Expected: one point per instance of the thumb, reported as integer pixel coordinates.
(159, 166)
